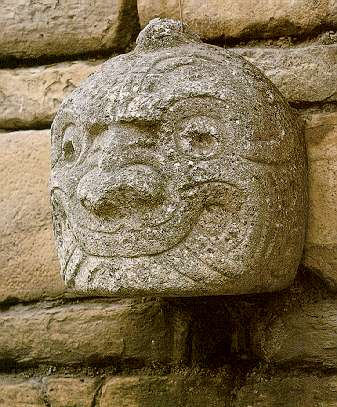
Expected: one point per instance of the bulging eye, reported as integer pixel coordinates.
(199, 138)
(71, 145)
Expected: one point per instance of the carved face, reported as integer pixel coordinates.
(177, 171)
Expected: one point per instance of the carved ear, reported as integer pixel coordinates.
(164, 34)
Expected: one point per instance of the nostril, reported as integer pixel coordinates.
(89, 191)
(86, 203)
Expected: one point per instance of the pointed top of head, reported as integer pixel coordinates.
(165, 33)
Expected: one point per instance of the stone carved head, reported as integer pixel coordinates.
(177, 170)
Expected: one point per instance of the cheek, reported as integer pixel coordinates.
(66, 179)
(271, 141)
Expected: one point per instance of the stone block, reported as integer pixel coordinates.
(205, 388)
(29, 97)
(48, 28)
(304, 336)
(28, 265)
(302, 74)
(53, 391)
(175, 390)
(320, 252)
(20, 393)
(84, 333)
(291, 391)
(243, 18)
(70, 391)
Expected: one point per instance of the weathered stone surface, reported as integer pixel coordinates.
(177, 170)
(321, 242)
(84, 333)
(34, 29)
(283, 391)
(28, 265)
(170, 391)
(244, 19)
(30, 96)
(20, 393)
(306, 335)
(70, 391)
(302, 74)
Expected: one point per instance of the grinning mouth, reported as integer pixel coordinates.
(79, 261)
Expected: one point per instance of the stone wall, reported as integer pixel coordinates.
(58, 349)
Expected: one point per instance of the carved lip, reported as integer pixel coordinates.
(120, 224)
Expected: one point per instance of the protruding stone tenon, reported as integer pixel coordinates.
(177, 170)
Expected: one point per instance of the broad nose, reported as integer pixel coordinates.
(128, 188)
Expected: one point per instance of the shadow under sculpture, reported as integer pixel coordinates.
(178, 169)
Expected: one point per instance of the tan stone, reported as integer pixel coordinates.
(242, 18)
(306, 335)
(302, 74)
(283, 391)
(51, 391)
(30, 96)
(48, 27)
(180, 390)
(19, 393)
(71, 392)
(186, 389)
(84, 332)
(28, 265)
(122, 391)
(321, 242)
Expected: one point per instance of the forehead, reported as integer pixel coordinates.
(171, 84)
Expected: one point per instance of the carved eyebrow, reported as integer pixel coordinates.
(97, 128)
(147, 124)
(62, 121)
(94, 129)
(141, 122)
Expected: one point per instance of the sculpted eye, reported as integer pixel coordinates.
(71, 145)
(199, 138)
